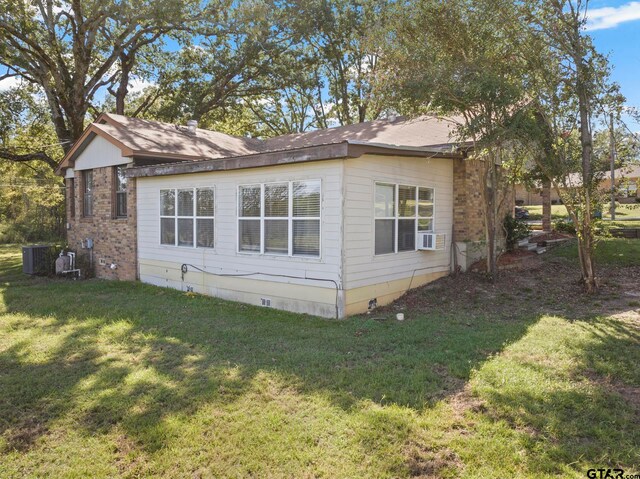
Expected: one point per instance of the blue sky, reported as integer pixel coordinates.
(615, 28)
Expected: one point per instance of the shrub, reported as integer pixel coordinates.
(564, 226)
(515, 230)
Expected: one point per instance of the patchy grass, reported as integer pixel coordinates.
(108, 379)
(612, 251)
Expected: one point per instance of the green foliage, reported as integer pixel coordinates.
(31, 195)
(564, 226)
(515, 230)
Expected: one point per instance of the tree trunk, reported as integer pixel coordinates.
(585, 229)
(490, 217)
(546, 206)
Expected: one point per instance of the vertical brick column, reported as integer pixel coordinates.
(468, 209)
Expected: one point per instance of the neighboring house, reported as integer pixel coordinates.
(627, 181)
(326, 222)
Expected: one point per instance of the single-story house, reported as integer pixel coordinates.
(627, 181)
(330, 222)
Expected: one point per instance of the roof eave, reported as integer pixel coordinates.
(79, 146)
(257, 160)
(344, 149)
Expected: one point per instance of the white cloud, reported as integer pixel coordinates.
(8, 83)
(609, 17)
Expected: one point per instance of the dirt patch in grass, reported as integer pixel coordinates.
(630, 393)
(530, 284)
(432, 463)
(22, 437)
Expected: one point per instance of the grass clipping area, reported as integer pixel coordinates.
(523, 378)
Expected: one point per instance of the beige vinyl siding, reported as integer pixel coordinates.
(98, 154)
(160, 264)
(362, 267)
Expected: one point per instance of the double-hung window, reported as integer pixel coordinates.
(120, 192)
(280, 218)
(87, 193)
(401, 211)
(187, 217)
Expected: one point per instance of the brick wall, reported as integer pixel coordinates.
(468, 212)
(468, 209)
(114, 239)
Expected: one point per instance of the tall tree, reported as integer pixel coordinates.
(569, 82)
(74, 49)
(345, 39)
(452, 59)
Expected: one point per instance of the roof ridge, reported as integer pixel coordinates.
(177, 126)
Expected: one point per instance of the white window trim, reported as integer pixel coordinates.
(290, 219)
(195, 217)
(396, 218)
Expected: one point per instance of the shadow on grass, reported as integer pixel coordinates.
(131, 355)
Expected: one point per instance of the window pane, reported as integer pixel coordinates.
(88, 181)
(384, 201)
(72, 197)
(425, 202)
(121, 204)
(385, 236)
(121, 180)
(306, 198)
(204, 233)
(167, 202)
(249, 201)
(204, 199)
(185, 203)
(250, 235)
(425, 225)
(406, 235)
(276, 200)
(425, 211)
(306, 237)
(88, 204)
(426, 194)
(185, 232)
(406, 201)
(276, 236)
(167, 231)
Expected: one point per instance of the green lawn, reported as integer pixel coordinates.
(560, 211)
(612, 251)
(113, 379)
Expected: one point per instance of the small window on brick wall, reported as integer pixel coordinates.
(72, 197)
(120, 192)
(187, 217)
(87, 193)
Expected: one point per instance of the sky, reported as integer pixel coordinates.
(615, 28)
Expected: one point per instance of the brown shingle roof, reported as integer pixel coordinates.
(152, 139)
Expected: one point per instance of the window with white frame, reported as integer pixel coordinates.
(280, 218)
(187, 217)
(401, 211)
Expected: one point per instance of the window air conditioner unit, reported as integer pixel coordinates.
(431, 241)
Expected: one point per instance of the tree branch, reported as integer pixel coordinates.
(7, 154)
